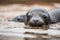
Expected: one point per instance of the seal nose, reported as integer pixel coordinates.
(35, 20)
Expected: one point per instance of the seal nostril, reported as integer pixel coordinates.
(35, 21)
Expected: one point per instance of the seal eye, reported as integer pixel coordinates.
(19, 19)
(44, 16)
(29, 16)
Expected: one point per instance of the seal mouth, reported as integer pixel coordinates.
(35, 24)
(45, 27)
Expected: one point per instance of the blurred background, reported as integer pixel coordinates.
(12, 8)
